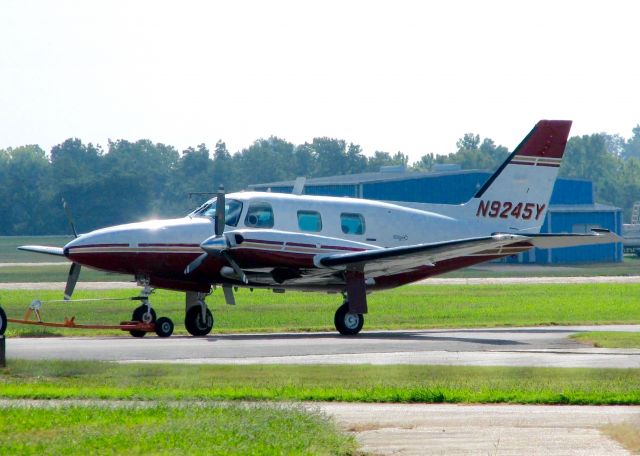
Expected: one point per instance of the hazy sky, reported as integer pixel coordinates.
(394, 75)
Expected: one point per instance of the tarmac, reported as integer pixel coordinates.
(544, 346)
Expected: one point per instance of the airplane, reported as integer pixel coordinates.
(331, 244)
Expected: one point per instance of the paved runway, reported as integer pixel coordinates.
(535, 346)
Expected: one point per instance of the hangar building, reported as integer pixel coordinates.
(572, 208)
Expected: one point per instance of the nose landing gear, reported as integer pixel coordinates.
(144, 313)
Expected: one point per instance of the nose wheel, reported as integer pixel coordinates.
(144, 314)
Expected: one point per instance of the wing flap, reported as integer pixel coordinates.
(47, 250)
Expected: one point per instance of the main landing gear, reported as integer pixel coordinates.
(348, 323)
(198, 319)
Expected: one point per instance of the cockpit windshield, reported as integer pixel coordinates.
(232, 211)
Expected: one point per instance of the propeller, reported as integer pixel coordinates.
(74, 271)
(217, 245)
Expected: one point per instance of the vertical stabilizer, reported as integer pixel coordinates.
(516, 197)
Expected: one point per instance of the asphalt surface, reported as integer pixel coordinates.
(535, 346)
(448, 429)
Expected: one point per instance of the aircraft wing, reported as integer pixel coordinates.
(395, 259)
(57, 251)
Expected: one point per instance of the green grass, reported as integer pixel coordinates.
(45, 272)
(55, 273)
(357, 383)
(609, 339)
(411, 307)
(211, 429)
(10, 254)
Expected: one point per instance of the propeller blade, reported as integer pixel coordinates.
(72, 279)
(195, 264)
(229, 298)
(220, 206)
(67, 212)
(235, 266)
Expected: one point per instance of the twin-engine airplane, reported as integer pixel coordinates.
(345, 245)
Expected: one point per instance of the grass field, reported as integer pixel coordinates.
(411, 307)
(165, 430)
(10, 254)
(358, 383)
(605, 339)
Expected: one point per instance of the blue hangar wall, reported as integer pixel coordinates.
(572, 207)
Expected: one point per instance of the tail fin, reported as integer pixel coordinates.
(516, 196)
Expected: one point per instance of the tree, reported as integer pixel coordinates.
(381, 159)
(356, 162)
(588, 157)
(27, 185)
(77, 175)
(632, 146)
(223, 172)
(266, 160)
(425, 163)
(330, 156)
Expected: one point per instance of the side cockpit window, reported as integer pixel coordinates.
(232, 211)
(352, 223)
(259, 215)
(309, 221)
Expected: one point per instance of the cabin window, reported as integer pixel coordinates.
(352, 223)
(309, 221)
(259, 215)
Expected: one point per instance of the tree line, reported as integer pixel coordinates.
(129, 181)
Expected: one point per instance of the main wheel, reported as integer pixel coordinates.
(164, 327)
(194, 323)
(348, 324)
(3, 321)
(140, 314)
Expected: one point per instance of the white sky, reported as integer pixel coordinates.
(395, 75)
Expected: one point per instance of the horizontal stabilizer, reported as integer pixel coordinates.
(550, 241)
(57, 251)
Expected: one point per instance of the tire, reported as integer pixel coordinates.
(138, 315)
(348, 324)
(164, 327)
(194, 324)
(3, 321)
